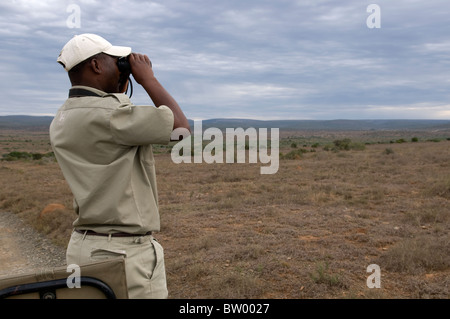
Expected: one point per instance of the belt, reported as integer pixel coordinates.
(91, 232)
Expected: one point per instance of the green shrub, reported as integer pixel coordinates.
(342, 144)
(322, 275)
(345, 144)
(15, 156)
(295, 154)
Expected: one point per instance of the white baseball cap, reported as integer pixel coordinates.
(83, 46)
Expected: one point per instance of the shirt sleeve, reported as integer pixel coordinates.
(141, 124)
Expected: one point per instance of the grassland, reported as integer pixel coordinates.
(308, 231)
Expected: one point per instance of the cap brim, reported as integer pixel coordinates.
(118, 51)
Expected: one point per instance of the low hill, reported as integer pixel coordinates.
(330, 125)
(24, 122)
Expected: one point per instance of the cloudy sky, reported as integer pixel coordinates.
(260, 59)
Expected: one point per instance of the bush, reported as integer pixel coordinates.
(295, 154)
(345, 144)
(15, 156)
(322, 275)
(357, 146)
(342, 144)
(417, 255)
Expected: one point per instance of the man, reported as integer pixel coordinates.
(102, 143)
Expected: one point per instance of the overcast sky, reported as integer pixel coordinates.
(260, 59)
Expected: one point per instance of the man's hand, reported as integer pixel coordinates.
(142, 71)
(141, 67)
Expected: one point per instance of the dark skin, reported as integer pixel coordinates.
(101, 72)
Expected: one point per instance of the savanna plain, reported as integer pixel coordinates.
(340, 201)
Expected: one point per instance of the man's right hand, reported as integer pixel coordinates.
(141, 67)
(142, 71)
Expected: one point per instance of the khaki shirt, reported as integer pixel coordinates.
(103, 146)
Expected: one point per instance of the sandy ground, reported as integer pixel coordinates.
(23, 250)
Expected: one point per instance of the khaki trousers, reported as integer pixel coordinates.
(144, 260)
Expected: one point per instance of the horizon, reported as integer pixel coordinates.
(266, 120)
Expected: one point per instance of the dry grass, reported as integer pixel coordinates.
(309, 231)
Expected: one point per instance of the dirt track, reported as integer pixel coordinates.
(24, 250)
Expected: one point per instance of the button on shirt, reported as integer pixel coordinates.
(103, 146)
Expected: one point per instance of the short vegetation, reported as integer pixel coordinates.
(15, 156)
(339, 202)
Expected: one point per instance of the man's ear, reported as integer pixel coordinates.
(96, 65)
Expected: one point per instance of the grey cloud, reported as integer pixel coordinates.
(304, 58)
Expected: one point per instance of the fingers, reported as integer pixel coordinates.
(140, 58)
(141, 67)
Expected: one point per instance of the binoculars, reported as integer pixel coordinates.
(124, 65)
(125, 70)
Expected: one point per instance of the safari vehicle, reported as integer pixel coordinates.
(98, 280)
